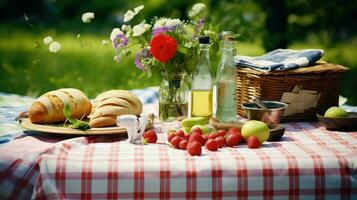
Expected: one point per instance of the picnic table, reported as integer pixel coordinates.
(309, 163)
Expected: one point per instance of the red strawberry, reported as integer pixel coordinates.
(240, 137)
(253, 142)
(183, 144)
(197, 137)
(211, 145)
(180, 133)
(175, 141)
(222, 132)
(234, 131)
(213, 135)
(197, 129)
(232, 140)
(220, 141)
(163, 47)
(205, 138)
(194, 148)
(187, 136)
(170, 136)
(150, 136)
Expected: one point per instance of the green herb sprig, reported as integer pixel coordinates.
(75, 123)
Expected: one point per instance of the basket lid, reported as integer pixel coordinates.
(318, 68)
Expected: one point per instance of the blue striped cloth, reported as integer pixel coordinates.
(280, 59)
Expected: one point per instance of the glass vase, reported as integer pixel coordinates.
(173, 97)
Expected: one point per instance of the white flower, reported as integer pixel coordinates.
(188, 44)
(209, 32)
(168, 22)
(140, 29)
(54, 47)
(173, 22)
(105, 42)
(125, 27)
(87, 17)
(117, 58)
(138, 9)
(47, 40)
(114, 33)
(129, 15)
(160, 23)
(78, 36)
(197, 8)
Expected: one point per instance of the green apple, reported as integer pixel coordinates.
(336, 112)
(203, 128)
(189, 122)
(185, 129)
(255, 128)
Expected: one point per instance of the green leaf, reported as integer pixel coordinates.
(75, 123)
(182, 49)
(141, 76)
(67, 111)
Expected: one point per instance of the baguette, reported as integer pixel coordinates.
(48, 108)
(109, 105)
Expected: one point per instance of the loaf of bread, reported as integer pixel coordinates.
(109, 105)
(48, 108)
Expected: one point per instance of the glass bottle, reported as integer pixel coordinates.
(226, 83)
(201, 94)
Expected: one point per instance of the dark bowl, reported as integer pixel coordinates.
(272, 117)
(276, 132)
(340, 123)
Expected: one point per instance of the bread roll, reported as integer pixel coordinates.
(48, 108)
(109, 105)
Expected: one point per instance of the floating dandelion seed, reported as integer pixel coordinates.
(105, 42)
(54, 47)
(47, 40)
(87, 17)
(27, 19)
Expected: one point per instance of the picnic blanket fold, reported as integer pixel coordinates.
(280, 59)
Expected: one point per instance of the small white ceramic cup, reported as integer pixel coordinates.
(135, 127)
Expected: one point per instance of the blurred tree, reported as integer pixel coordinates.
(276, 22)
(240, 16)
(11, 9)
(331, 20)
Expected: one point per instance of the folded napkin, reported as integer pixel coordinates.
(280, 59)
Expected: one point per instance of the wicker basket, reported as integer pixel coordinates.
(322, 77)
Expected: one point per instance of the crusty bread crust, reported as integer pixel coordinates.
(103, 121)
(48, 108)
(37, 112)
(111, 104)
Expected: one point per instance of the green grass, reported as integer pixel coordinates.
(28, 68)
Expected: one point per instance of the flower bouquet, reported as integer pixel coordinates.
(168, 49)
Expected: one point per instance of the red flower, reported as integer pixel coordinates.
(163, 47)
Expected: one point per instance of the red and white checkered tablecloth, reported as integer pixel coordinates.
(310, 163)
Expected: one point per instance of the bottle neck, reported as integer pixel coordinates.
(227, 50)
(227, 46)
(202, 77)
(203, 52)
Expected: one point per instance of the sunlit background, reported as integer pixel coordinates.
(84, 62)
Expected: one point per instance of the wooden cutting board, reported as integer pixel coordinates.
(61, 130)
